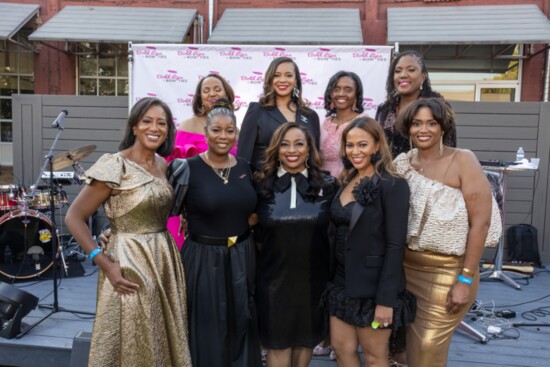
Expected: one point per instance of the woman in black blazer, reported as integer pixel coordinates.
(281, 102)
(366, 298)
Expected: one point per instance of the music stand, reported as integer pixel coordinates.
(496, 272)
(48, 162)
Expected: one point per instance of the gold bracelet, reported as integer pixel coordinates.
(468, 271)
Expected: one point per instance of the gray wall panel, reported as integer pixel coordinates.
(491, 130)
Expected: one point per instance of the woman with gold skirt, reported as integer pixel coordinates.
(141, 316)
(450, 214)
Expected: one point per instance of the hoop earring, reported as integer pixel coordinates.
(441, 144)
(307, 163)
(295, 92)
(375, 157)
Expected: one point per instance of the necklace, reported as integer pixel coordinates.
(222, 173)
(422, 166)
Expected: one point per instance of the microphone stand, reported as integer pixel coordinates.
(48, 161)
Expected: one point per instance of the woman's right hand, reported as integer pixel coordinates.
(114, 275)
(104, 238)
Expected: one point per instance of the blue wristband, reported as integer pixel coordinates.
(98, 250)
(465, 280)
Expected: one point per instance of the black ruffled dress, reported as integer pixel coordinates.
(360, 311)
(293, 264)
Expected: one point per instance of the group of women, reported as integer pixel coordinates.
(283, 239)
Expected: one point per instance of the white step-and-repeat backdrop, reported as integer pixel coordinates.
(171, 72)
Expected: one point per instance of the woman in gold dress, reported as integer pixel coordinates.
(141, 315)
(449, 218)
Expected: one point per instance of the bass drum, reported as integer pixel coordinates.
(25, 244)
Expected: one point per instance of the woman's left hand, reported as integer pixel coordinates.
(458, 296)
(383, 315)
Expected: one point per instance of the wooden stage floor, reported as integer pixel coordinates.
(50, 343)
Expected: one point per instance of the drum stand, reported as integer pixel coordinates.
(48, 161)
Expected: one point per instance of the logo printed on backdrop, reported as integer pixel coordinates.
(323, 54)
(277, 52)
(369, 54)
(150, 52)
(246, 78)
(255, 77)
(171, 76)
(318, 103)
(235, 53)
(239, 103)
(191, 52)
(187, 101)
(368, 104)
(306, 80)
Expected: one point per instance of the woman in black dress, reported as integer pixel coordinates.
(407, 81)
(294, 199)
(281, 102)
(214, 192)
(366, 298)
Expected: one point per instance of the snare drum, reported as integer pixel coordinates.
(41, 200)
(25, 244)
(9, 197)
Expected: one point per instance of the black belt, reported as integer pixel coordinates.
(218, 241)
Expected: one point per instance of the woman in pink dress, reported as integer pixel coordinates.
(190, 139)
(343, 102)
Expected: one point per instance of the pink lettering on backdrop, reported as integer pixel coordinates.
(256, 77)
(239, 103)
(323, 54)
(306, 79)
(368, 103)
(171, 76)
(318, 103)
(234, 53)
(150, 52)
(277, 52)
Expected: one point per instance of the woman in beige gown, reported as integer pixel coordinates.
(141, 317)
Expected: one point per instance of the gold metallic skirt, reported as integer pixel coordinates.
(429, 277)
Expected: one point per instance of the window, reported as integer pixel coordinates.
(16, 77)
(484, 79)
(103, 69)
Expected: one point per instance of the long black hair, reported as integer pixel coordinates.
(392, 96)
(136, 114)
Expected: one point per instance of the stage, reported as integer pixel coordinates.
(51, 342)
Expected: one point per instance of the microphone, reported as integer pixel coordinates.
(57, 123)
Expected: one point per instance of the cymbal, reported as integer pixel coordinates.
(68, 158)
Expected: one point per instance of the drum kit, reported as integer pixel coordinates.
(26, 218)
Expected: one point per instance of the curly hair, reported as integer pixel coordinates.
(392, 96)
(332, 84)
(265, 178)
(136, 114)
(371, 126)
(198, 109)
(443, 114)
(269, 96)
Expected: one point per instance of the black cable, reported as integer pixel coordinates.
(536, 313)
(523, 303)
